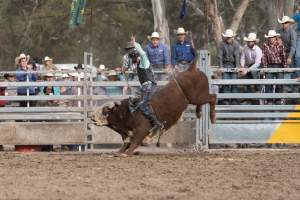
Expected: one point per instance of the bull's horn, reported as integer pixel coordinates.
(117, 103)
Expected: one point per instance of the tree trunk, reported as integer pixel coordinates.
(160, 21)
(238, 15)
(216, 19)
(289, 7)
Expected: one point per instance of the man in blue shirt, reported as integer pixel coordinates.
(182, 52)
(158, 55)
(23, 76)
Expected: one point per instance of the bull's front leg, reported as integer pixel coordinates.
(198, 111)
(126, 143)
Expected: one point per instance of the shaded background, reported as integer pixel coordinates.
(41, 27)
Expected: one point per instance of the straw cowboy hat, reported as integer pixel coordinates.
(20, 57)
(47, 58)
(251, 38)
(155, 35)
(286, 19)
(272, 33)
(180, 31)
(228, 34)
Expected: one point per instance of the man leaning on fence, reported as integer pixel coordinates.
(183, 52)
(251, 60)
(274, 56)
(22, 75)
(289, 39)
(158, 55)
(229, 58)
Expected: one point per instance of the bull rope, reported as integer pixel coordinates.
(180, 89)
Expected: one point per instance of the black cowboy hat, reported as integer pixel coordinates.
(129, 45)
(79, 66)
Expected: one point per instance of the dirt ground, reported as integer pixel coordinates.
(248, 174)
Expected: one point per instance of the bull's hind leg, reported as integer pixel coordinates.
(124, 147)
(212, 104)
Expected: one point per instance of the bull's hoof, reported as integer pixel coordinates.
(120, 155)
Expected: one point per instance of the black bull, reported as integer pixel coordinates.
(169, 102)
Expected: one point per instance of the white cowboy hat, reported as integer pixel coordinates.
(112, 73)
(65, 76)
(155, 35)
(47, 59)
(49, 75)
(180, 31)
(73, 74)
(21, 56)
(251, 38)
(101, 67)
(272, 33)
(286, 19)
(228, 34)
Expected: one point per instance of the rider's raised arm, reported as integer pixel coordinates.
(145, 63)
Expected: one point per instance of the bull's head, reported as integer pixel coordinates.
(100, 115)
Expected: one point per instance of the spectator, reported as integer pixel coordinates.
(48, 91)
(11, 90)
(251, 60)
(229, 58)
(183, 52)
(22, 75)
(113, 90)
(49, 77)
(274, 56)
(2, 93)
(289, 39)
(48, 64)
(297, 54)
(158, 55)
(100, 73)
(65, 90)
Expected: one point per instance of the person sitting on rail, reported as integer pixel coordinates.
(22, 75)
(147, 81)
(183, 52)
(158, 55)
(274, 56)
(250, 61)
(229, 59)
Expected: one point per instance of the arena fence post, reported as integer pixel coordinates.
(88, 61)
(203, 124)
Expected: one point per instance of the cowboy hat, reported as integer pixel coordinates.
(79, 66)
(112, 73)
(47, 58)
(20, 57)
(130, 45)
(286, 19)
(272, 33)
(155, 35)
(65, 76)
(180, 31)
(48, 75)
(251, 38)
(228, 34)
(101, 67)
